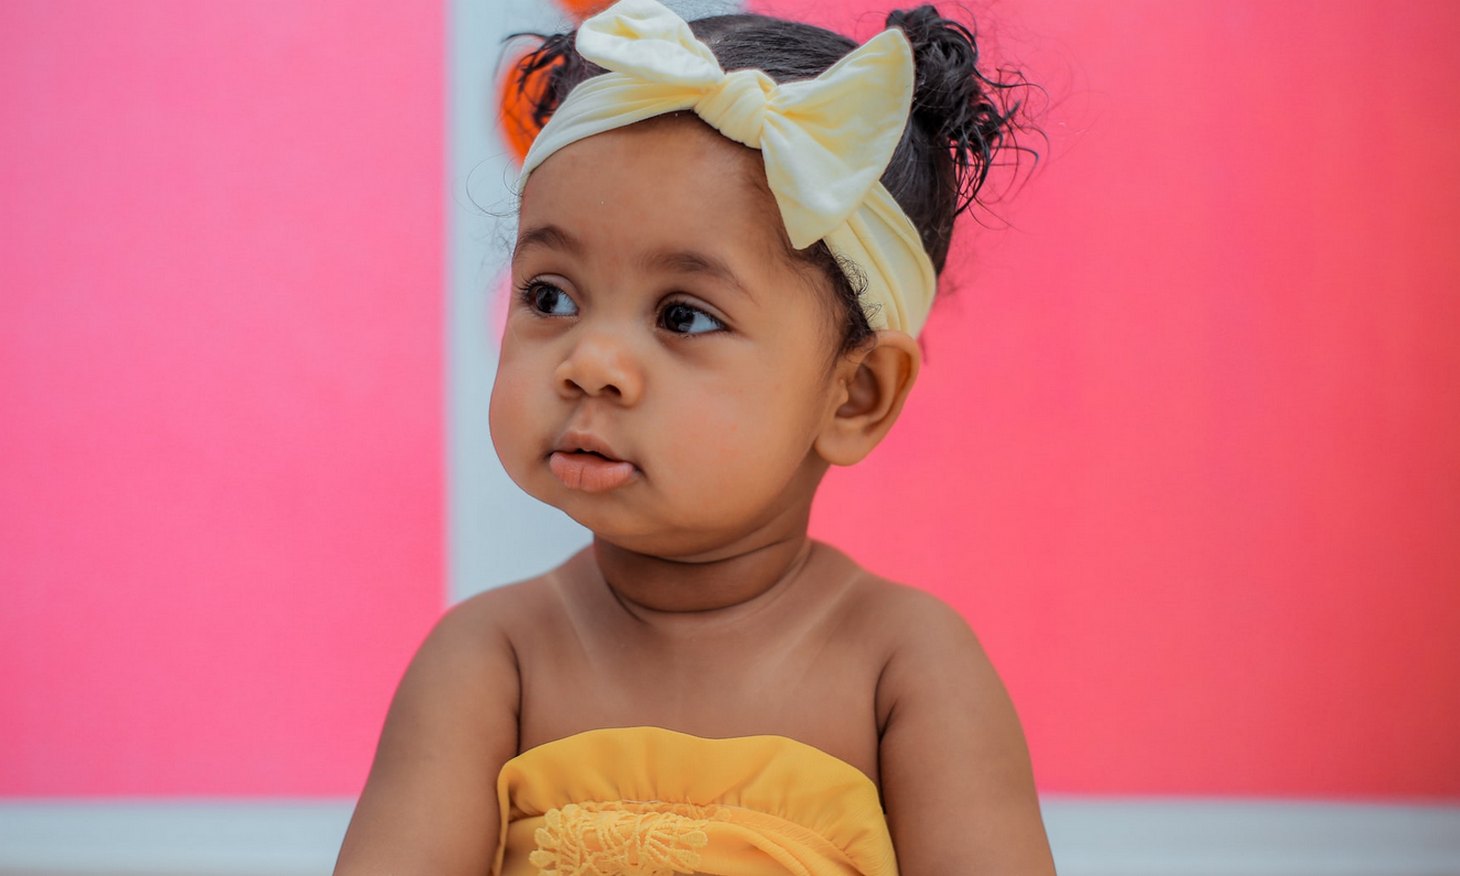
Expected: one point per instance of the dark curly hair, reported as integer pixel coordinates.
(962, 118)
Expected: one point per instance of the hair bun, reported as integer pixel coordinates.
(537, 82)
(953, 101)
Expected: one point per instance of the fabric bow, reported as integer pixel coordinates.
(825, 142)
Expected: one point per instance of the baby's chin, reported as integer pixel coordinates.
(637, 519)
(657, 538)
(678, 545)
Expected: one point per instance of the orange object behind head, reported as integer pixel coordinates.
(519, 95)
(521, 89)
(581, 9)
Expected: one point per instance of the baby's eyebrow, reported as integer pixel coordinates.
(688, 261)
(550, 236)
(679, 261)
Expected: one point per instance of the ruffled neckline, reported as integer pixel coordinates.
(573, 740)
(784, 791)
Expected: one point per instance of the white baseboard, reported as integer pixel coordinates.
(1183, 837)
(184, 838)
(1091, 837)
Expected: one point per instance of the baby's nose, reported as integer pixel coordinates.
(601, 365)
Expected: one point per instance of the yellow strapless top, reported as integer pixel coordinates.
(644, 800)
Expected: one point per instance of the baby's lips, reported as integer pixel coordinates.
(574, 441)
(590, 473)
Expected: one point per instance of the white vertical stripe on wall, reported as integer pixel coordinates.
(495, 534)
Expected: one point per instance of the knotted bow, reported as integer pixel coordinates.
(825, 141)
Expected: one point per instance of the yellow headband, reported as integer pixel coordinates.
(825, 141)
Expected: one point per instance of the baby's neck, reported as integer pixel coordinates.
(650, 586)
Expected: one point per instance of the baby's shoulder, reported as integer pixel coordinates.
(904, 616)
(912, 631)
(503, 611)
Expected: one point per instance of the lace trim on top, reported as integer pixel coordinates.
(616, 839)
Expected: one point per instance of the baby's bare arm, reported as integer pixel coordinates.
(956, 779)
(430, 804)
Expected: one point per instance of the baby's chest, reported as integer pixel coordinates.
(819, 696)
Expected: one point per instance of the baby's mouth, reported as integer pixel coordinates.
(590, 471)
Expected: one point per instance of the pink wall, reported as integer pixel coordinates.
(1185, 451)
(220, 389)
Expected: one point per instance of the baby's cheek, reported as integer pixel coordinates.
(507, 413)
(741, 450)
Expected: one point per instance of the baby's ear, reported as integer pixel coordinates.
(875, 383)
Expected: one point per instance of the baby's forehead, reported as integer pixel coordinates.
(668, 167)
(662, 140)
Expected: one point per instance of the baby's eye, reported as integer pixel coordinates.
(548, 300)
(684, 319)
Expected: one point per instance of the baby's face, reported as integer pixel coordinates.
(666, 366)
